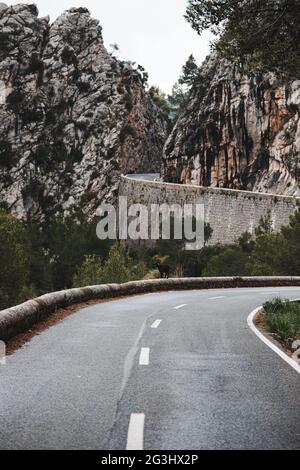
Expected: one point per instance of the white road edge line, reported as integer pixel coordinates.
(219, 297)
(135, 436)
(144, 357)
(179, 306)
(283, 355)
(156, 324)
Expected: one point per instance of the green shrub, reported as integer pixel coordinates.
(47, 155)
(283, 318)
(76, 155)
(50, 117)
(14, 260)
(36, 64)
(138, 271)
(15, 99)
(34, 189)
(160, 99)
(82, 125)
(153, 274)
(83, 87)
(33, 9)
(233, 261)
(5, 43)
(83, 10)
(68, 57)
(89, 273)
(32, 115)
(128, 101)
(41, 154)
(76, 74)
(127, 131)
(116, 269)
(6, 155)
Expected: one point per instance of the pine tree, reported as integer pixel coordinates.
(259, 35)
(189, 72)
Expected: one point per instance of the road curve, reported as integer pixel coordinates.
(144, 176)
(175, 370)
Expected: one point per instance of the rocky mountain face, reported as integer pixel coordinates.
(237, 132)
(72, 117)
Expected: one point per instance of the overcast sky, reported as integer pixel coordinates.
(152, 33)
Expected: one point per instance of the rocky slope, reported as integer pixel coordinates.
(72, 117)
(237, 132)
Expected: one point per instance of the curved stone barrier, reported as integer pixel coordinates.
(20, 318)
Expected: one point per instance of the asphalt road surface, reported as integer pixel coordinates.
(175, 370)
(144, 176)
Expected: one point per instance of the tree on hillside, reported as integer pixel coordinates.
(116, 267)
(40, 275)
(262, 35)
(265, 224)
(181, 88)
(14, 260)
(291, 251)
(189, 72)
(89, 273)
(208, 232)
(233, 261)
(267, 256)
(177, 99)
(143, 74)
(160, 99)
(68, 241)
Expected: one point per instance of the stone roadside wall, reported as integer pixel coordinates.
(229, 212)
(20, 318)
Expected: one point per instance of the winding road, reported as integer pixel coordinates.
(167, 371)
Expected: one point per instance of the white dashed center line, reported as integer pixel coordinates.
(144, 357)
(135, 436)
(219, 297)
(180, 306)
(156, 324)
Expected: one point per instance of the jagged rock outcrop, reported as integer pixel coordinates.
(72, 117)
(237, 132)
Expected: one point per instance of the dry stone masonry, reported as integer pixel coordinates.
(230, 213)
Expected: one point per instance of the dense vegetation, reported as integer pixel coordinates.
(260, 35)
(282, 318)
(37, 259)
(65, 253)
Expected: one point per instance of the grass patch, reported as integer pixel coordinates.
(283, 319)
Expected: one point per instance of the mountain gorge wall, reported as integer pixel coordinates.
(72, 117)
(237, 132)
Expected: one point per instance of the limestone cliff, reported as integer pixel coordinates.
(237, 132)
(72, 117)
